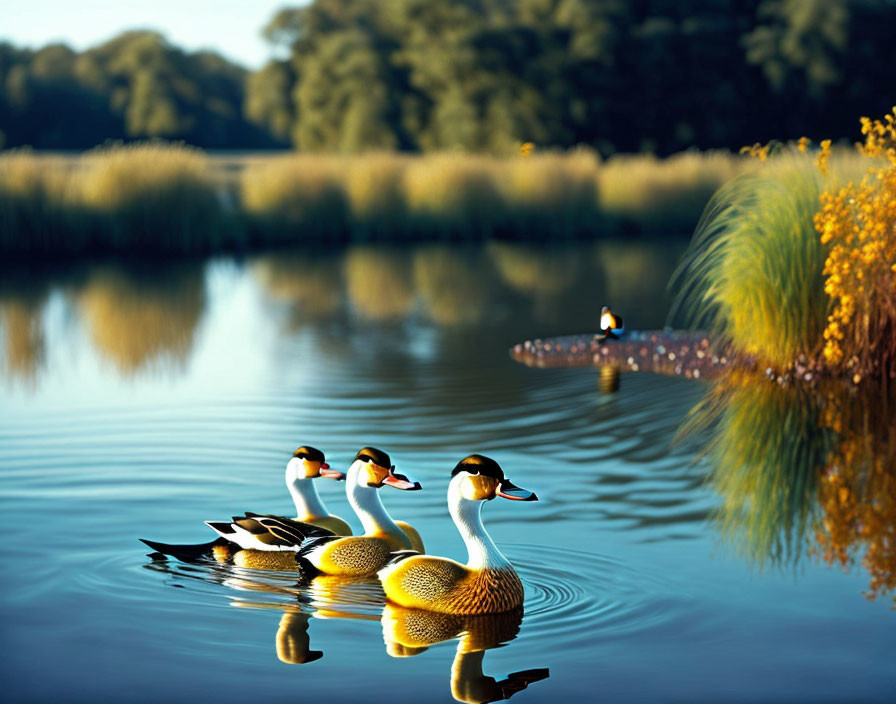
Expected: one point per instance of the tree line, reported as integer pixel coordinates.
(479, 75)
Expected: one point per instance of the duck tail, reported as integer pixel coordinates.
(185, 553)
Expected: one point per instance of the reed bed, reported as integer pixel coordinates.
(170, 199)
(753, 273)
(645, 193)
(295, 198)
(152, 198)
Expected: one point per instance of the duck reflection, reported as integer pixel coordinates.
(409, 632)
(805, 469)
(136, 315)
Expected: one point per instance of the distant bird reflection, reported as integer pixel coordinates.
(608, 381)
(409, 632)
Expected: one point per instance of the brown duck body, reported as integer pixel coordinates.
(443, 585)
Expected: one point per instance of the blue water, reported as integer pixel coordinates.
(138, 401)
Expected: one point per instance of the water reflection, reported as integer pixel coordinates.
(409, 632)
(145, 316)
(136, 315)
(379, 283)
(22, 301)
(802, 468)
(454, 284)
(311, 284)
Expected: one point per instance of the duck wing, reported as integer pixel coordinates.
(256, 531)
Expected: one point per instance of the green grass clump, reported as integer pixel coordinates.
(754, 269)
(153, 197)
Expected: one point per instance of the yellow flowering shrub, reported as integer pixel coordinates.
(858, 224)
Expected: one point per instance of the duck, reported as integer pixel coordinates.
(248, 532)
(488, 583)
(611, 325)
(363, 555)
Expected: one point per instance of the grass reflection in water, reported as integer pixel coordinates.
(804, 469)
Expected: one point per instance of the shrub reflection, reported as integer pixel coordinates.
(800, 468)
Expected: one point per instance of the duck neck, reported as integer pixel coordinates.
(366, 503)
(481, 549)
(308, 503)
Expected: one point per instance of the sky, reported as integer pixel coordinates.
(230, 27)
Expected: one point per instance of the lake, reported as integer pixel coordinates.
(141, 400)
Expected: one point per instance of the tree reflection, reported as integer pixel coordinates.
(378, 282)
(800, 467)
(138, 315)
(24, 342)
(452, 283)
(409, 632)
(311, 284)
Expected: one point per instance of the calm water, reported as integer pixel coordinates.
(140, 401)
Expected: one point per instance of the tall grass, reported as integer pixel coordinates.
(551, 196)
(375, 187)
(753, 272)
(163, 198)
(650, 194)
(153, 198)
(38, 210)
(296, 198)
(455, 196)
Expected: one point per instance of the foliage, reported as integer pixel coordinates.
(135, 85)
(479, 75)
(858, 224)
(486, 74)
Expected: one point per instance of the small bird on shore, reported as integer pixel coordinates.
(611, 325)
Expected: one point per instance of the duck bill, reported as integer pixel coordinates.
(401, 481)
(508, 490)
(329, 473)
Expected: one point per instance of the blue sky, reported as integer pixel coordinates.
(230, 27)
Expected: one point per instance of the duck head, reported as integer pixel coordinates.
(480, 478)
(373, 468)
(309, 463)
